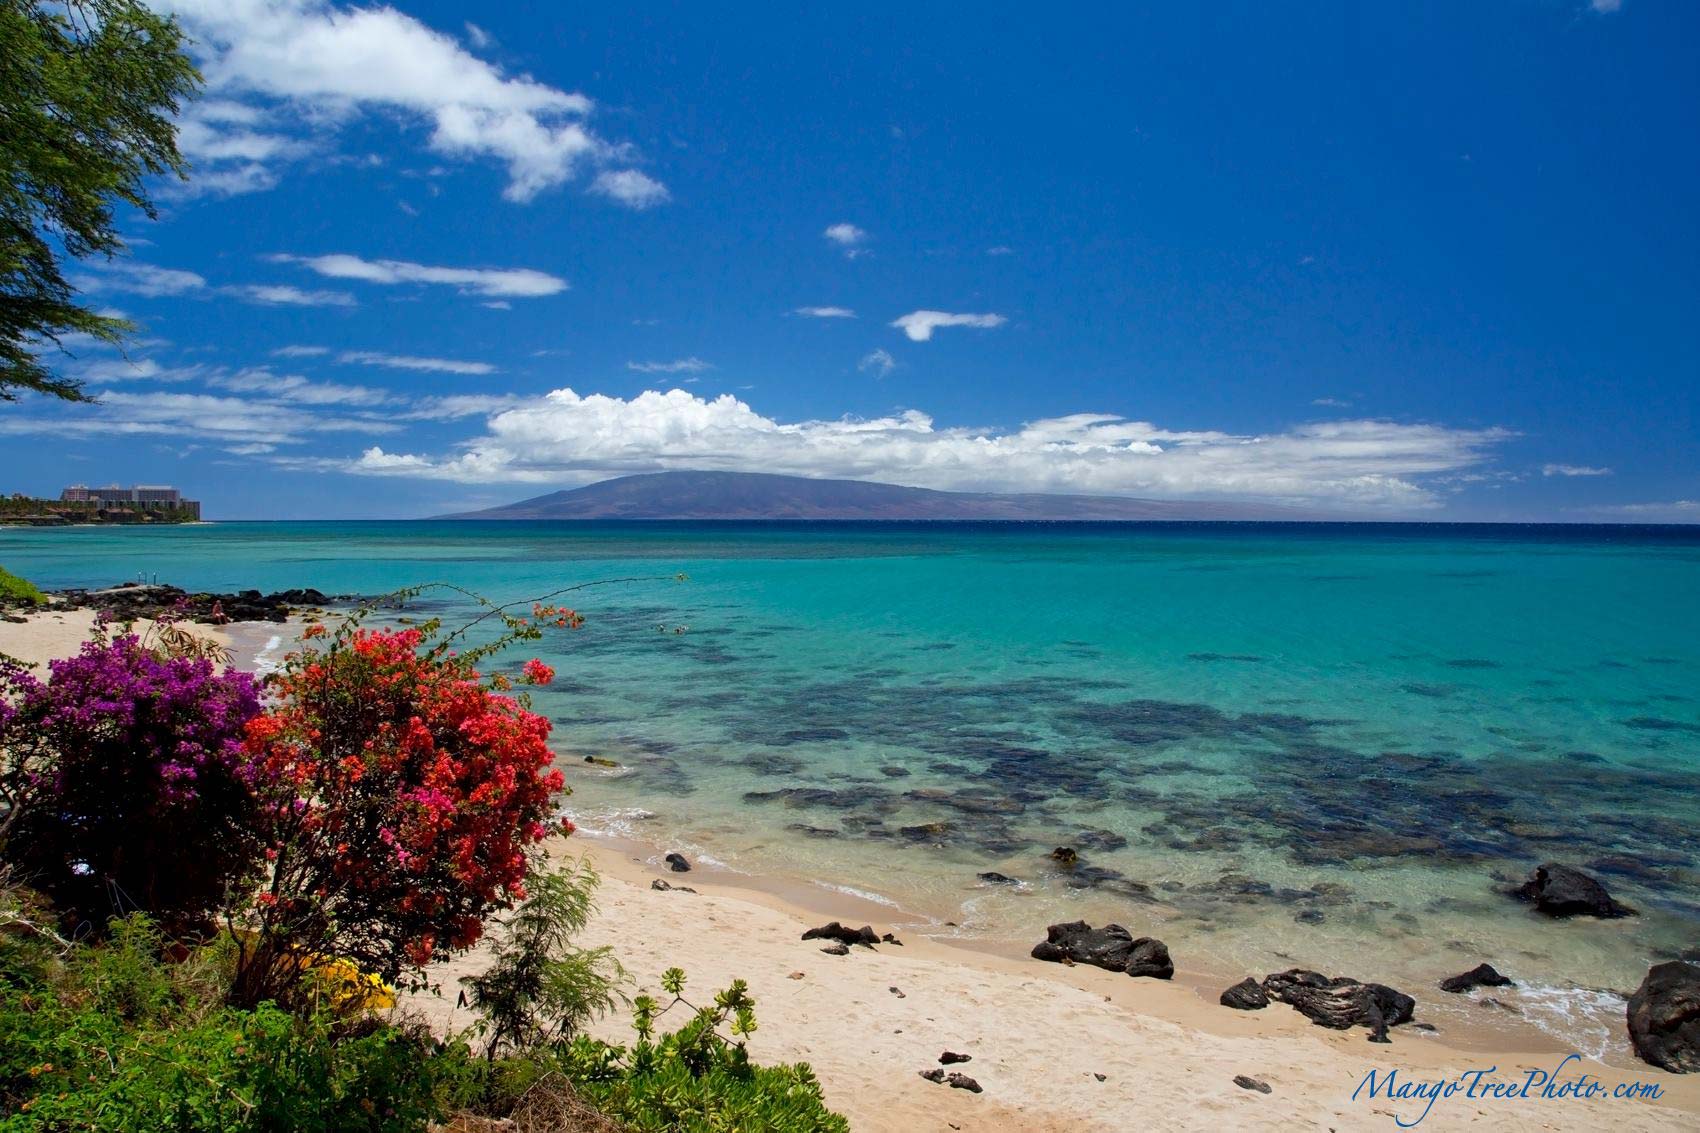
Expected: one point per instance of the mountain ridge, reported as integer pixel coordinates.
(762, 496)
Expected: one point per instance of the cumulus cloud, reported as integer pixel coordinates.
(567, 437)
(845, 235)
(1573, 470)
(515, 283)
(292, 65)
(920, 325)
(414, 362)
(825, 312)
(879, 363)
(630, 188)
(691, 365)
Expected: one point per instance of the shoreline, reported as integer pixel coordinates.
(1040, 1033)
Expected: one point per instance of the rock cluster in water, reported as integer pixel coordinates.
(1482, 975)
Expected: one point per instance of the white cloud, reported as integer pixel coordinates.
(879, 363)
(282, 295)
(515, 283)
(143, 279)
(300, 351)
(477, 36)
(825, 312)
(204, 416)
(566, 437)
(1606, 6)
(251, 449)
(498, 305)
(919, 325)
(298, 390)
(291, 63)
(1573, 470)
(453, 406)
(1331, 402)
(414, 362)
(1000, 250)
(1668, 511)
(630, 188)
(133, 370)
(691, 365)
(845, 235)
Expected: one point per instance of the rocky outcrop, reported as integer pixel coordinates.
(832, 930)
(1247, 995)
(137, 600)
(1482, 975)
(1341, 1002)
(1112, 948)
(1560, 891)
(1664, 1017)
(677, 863)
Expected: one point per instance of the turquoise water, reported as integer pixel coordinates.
(1273, 744)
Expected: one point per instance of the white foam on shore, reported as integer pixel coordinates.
(1587, 1020)
(266, 660)
(614, 822)
(861, 894)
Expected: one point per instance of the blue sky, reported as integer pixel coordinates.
(1438, 261)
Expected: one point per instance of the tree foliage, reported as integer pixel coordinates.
(89, 93)
(400, 797)
(539, 987)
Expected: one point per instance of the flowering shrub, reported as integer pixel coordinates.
(126, 782)
(401, 797)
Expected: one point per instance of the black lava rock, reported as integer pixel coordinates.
(832, 930)
(1560, 891)
(1247, 995)
(1111, 947)
(1664, 1017)
(1341, 1002)
(678, 863)
(1482, 975)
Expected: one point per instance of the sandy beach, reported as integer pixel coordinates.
(1053, 1047)
(59, 632)
(1039, 1034)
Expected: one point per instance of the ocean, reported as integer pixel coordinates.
(1272, 745)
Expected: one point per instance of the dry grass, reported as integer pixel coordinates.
(551, 1105)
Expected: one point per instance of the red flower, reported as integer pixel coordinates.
(537, 673)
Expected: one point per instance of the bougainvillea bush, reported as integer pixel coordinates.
(126, 783)
(401, 797)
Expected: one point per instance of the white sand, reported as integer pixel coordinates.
(56, 632)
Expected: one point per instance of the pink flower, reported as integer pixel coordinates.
(537, 673)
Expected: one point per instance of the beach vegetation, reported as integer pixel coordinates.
(215, 895)
(90, 92)
(15, 591)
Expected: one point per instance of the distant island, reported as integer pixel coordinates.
(756, 495)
